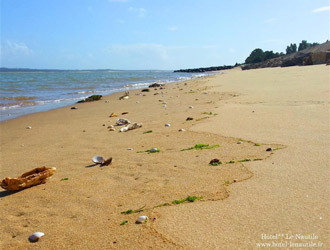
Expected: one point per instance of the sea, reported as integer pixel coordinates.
(26, 92)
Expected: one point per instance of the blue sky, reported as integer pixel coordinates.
(153, 34)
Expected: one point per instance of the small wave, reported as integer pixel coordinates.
(18, 98)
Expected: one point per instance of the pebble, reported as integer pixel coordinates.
(111, 126)
(167, 125)
(28, 127)
(130, 149)
(239, 142)
(191, 107)
(74, 108)
(269, 149)
(153, 150)
(189, 119)
(164, 106)
(182, 130)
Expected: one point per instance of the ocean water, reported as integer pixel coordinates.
(24, 93)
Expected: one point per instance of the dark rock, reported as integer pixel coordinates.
(91, 98)
(201, 70)
(155, 85)
(189, 119)
(145, 90)
(269, 149)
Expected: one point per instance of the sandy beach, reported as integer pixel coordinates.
(254, 197)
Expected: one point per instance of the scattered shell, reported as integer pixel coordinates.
(28, 127)
(269, 149)
(111, 126)
(98, 159)
(130, 149)
(167, 125)
(142, 219)
(123, 129)
(35, 236)
(182, 130)
(239, 142)
(112, 129)
(122, 121)
(113, 115)
(153, 150)
(131, 127)
(191, 107)
(164, 106)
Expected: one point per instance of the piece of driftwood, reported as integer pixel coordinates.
(31, 178)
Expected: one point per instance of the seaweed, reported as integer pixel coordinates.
(187, 199)
(131, 211)
(244, 160)
(201, 146)
(124, 222)
(147, 132)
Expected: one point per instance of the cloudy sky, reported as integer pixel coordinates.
(152, 34)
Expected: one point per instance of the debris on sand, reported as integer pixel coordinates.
(91, 98)
(31, 178)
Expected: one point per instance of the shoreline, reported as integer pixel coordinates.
(93, 198)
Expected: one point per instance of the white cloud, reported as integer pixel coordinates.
(325, 8)
(141, 12)
(173, 28)
(15, 49)
(270, 20)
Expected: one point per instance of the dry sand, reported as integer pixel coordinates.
(284, 192)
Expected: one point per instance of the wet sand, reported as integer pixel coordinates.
(285, 191)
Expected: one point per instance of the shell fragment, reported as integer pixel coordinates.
(35, 236)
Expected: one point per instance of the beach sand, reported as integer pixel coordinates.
(285, 191)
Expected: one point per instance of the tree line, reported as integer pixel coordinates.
(258, 55)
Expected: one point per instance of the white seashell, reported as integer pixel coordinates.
(35, 236)
(164, 106)
(121, 121)
(167, 125)
(126, 97)
(142, 219)
(130, 149)
(153, 150)
(98, 159)
(28, 127)
(182, 130)
(123, 129)
(112, 129)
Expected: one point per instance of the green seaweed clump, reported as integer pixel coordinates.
(201, 146)
(131, 211)
(188, 198)
(91, 98)
(147, 132)
(124, 222)
(244, 160)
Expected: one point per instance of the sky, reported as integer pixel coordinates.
(152, 34)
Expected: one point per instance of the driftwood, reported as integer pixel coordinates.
(31, 178)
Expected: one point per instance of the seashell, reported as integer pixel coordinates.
(98, 159)
(167, 125)
(191, 107)
(74, 108)
(239, 142)
(153, 150)
(142, 219)
(123, 129)
(130, 149)
(35, 236)
(111, 126)
(113, 115)
(28, 127)
(112, 129)
(182, 130)
(269, 149)
(164, 106)
(122, 121)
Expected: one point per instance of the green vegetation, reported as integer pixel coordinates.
(203, 118)
(215, 162)
(230, 162)
(258, 55)
(257, 144)
(292, 48)
(124, 222)
(65, 179)
(257, 159)
(91, 98)
(188, 198)
(227, 182)
(201, 146)
(244, 160)
(207, 113)
(131, 211)
(162, 205)
(147, 132)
